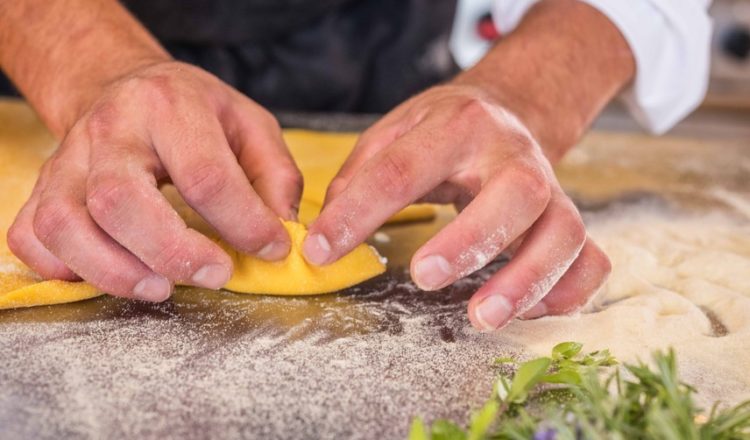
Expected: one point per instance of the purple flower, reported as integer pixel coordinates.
(545, 434)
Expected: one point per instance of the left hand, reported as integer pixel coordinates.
(456, 144)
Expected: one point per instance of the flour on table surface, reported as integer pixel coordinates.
(360, 365)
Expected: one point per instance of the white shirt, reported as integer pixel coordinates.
(670, 40)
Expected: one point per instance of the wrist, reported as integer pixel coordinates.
(554, 128)
(556, 71)
(61, 54)
(81, 89)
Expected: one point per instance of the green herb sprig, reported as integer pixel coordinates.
(565, 396)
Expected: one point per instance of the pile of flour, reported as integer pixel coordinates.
(679, 280)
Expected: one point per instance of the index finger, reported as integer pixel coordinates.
(197, 156)
(381, 134)
(255, 136)
(391, 180)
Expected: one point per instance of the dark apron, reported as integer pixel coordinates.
(310, 55)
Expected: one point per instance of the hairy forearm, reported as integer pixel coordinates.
(556, 71)
(60, 53)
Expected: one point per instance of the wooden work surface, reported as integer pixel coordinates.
(361, 362)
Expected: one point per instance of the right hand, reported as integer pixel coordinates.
(96, 211)
(460, 144)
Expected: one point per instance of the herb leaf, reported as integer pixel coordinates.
(483, 420)
(572, 377)
(566, 350)
(447, 430)
(418, 430)
(526, 378)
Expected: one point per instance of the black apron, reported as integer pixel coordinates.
(310, 55)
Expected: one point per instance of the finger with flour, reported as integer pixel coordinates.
(554, 243)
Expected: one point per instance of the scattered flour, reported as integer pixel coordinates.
(224, 365)
(9, 268)
(677, 280)
(381, 237)
(479, 254)
(359, 365)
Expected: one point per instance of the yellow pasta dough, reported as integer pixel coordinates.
(19, 287)
(46, 293)
(294, 276)
(319, 155)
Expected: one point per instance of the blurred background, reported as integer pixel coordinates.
(725, 111)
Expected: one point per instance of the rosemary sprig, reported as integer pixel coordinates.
(565, 396)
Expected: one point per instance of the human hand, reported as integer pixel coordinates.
(96, 211)
(456, 144)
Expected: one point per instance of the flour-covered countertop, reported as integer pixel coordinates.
(673, 214)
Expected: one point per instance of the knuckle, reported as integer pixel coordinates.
(478, 248)
(369, 140)
(293, 175)
(109, 280)
(468, 112)
(257, 116)
(366, 139)
(52, 220)
(572, 223)
(474, 108)
(171, 260)
(204, 184)
(517, 136)
(101, 121)
(601, 261)
(336, 186)
(17, 236)
(156, 89)
(536, 187)
(591, 280)
(269, 120)
(345, 233)
(534, 275)
(392, 176)
(58, 166)
(479, 241)
(253, 239)
(106, 196)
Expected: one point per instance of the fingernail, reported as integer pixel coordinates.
(153, 288)
(432, 272)
(317, 249)
(211, 276)
(493, 311)
(273, 251)
(539, 310)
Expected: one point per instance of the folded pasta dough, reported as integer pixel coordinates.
(295, 276)
(319, 156)
(19, 287)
